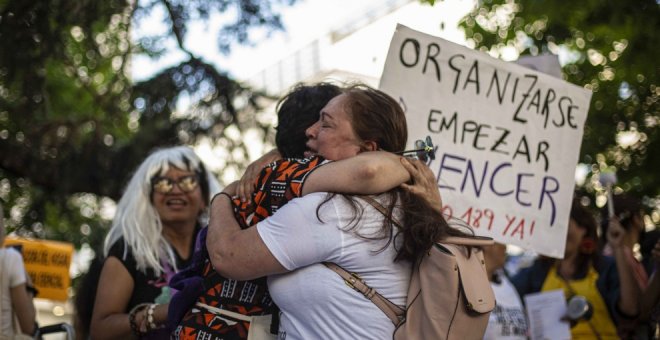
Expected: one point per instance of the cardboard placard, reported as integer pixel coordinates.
(47, 263)
(507, 137)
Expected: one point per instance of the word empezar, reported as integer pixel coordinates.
(489, 138)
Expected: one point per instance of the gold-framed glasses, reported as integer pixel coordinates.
(165, 185)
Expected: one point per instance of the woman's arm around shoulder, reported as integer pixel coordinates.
(245, 186)
(237, 253)
(367, 173)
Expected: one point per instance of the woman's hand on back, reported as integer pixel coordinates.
(423, 182)
(245, 186)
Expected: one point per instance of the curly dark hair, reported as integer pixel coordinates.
(297, 111)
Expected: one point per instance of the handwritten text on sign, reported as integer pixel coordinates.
(508, 138)
(47, 263)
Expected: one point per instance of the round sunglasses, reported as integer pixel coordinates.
(165, 185)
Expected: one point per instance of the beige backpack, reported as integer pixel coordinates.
(449, 296)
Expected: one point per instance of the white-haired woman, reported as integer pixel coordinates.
(15, 297)
(152, 237)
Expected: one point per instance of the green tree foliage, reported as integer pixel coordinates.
(73, 125)
(609, 47)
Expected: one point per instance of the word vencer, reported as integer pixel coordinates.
(474, 177)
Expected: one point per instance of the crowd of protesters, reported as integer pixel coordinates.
(603, 267)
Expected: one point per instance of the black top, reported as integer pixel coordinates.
(147, 286)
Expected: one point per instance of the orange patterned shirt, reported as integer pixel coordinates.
(277, 184)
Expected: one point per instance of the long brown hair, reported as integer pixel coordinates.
(377, 117)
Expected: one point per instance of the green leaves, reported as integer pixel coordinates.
(607, 47)
(73, 125)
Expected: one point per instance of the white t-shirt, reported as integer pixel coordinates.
(12, 274)
(314, 301)
(507, 320)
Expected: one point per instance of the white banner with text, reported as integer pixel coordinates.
(507, 137)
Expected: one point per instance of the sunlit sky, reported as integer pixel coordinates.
(303, 22)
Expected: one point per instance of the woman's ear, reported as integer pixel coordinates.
(369, 146)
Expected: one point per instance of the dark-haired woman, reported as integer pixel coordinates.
(605, 282)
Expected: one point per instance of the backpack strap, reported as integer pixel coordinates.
(472, 241)
(391, 310)
(378, 207)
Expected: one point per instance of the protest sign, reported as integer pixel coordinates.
(545, 312)
(507, 137)
(47, 263)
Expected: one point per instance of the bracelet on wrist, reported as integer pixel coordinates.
(135, 328)
(151, 325)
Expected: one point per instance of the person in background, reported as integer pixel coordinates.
(607, 283)
(507, 320)
(647, 244)
(152, 237)
(650, 301)
(84, 299)
(629, 217)
(16, 291)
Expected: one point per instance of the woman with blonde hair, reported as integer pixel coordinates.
(152, 237)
